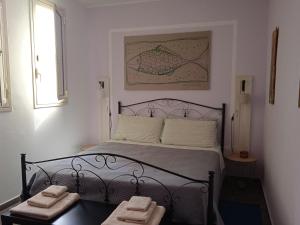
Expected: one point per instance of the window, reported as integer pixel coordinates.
(48, 46)
(5, 99)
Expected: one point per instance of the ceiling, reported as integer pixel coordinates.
(99, 3)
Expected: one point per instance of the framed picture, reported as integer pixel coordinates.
(177, 61)
(299, 96)
(273, 66)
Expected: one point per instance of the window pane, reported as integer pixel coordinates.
(48, 52)
(1, 65)
(45, 47)
(59, 55)
(2, 94)
(4, 83)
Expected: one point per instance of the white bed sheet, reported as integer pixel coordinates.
(214, 149)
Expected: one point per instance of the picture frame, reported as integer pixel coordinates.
(172, 61)
(299, 96)
(272, 87)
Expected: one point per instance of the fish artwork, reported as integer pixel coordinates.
(160, 61)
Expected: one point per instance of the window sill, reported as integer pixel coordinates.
(58, 104)
(5, 109)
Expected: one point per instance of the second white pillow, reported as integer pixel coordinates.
(200, 133)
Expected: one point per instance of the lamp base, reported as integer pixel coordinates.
(244, 154)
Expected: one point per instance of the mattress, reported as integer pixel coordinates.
(216, 149)
(189, 200)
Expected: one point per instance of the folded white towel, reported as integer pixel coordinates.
(54, 191)
(141, 217)
(45, 213)
(139, 203)
(155, 219)
(42, 201)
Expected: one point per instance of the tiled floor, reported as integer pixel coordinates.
(245, 190)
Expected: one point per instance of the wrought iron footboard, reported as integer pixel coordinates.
(134, 171)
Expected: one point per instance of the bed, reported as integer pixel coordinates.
(187, 184)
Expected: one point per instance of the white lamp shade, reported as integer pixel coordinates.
(102, 93)
(244, 98)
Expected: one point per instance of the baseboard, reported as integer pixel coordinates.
(267, 203)
(9, 203)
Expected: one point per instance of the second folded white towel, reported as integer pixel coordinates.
(54, 191)
(155, 217)
(139, 203)
(136, 216)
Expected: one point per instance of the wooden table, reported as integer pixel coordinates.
(236, 157)
(82, 213)
(245, 166)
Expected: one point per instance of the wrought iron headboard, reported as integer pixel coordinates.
(176, 108)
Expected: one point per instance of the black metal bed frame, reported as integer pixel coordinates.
(136, 177)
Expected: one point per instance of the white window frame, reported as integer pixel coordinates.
(62, 92)
(5, 91)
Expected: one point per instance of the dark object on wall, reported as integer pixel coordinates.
(273, 66)
(299, 96)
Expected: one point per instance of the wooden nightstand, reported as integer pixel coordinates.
(236, 157)
(241, 167)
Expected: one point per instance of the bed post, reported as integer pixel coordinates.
(210, 205)
(223, 127)
(24, 194)
(119, 107)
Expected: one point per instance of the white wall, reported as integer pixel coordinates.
(49, 132)
(282, 120)
(242, 53)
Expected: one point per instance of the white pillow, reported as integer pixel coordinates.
(139, 128)
(200, 133)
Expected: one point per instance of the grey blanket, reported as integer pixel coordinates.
(118, 177)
